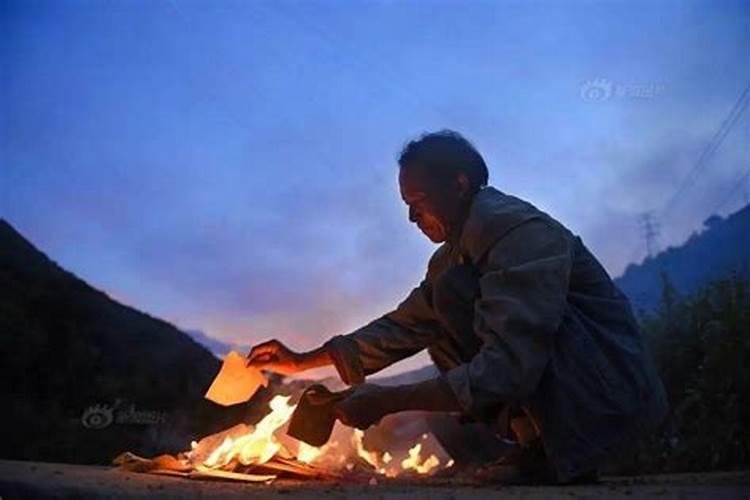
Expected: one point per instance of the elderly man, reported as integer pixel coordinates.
(519, 317)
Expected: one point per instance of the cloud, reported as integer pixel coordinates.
(244, 183)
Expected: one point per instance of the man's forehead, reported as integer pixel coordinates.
(411, 184)
(414, 179)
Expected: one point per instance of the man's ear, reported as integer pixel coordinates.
(464, 184)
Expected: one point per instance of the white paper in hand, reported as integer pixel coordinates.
(235, 383)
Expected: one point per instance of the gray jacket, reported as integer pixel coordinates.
(558, 336)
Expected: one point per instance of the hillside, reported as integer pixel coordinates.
(217, 347)
(84, 376)
(720, 250)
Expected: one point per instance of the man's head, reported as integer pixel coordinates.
(439, 175)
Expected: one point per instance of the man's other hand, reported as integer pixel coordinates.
(274, 356)
(366, 405)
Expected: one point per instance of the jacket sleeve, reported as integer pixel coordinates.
(523, 297)
(397, 335)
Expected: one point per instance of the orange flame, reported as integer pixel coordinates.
(371, 457)
(414, 461)
(258, 446)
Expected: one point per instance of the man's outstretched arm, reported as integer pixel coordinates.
(273, 355)
(401, 333)
(369, 402)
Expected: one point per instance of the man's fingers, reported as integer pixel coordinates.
(348, 416)
(263, 365)
(263, 362)
(342, 416)
(264, 350)
(260, 354)
(359, 409)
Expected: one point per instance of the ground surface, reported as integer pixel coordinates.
(46, 480)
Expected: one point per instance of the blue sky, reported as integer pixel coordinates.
(230, 166)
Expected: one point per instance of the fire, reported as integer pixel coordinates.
(258, 446)
(414, 461)
(370, 457)
(308, 453)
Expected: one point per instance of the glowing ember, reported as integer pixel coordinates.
(308, 453)
(370, 457)
(415, 462)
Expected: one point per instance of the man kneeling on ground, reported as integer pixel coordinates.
(526, 327)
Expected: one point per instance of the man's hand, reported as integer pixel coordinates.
(366, 405)
(276, 357)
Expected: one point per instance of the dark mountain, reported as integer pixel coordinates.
(85, 377)
(722, 249)
(219, 348)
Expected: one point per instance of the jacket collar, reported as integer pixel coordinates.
(491, 216)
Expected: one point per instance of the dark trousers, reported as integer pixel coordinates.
(453, 296)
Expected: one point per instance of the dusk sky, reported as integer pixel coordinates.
(231, 166)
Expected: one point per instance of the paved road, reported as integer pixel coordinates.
(47, 480)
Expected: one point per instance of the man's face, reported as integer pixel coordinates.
(432, 207)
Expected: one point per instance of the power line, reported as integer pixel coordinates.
(742, 179)
(711, 148)
(732, 191)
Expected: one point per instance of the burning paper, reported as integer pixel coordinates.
(235, 383)
(260, 453)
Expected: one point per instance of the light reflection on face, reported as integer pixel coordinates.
(424, 207)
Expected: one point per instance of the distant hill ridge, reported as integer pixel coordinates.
(65, 347)
(720, 250)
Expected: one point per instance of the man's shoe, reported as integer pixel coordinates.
(527, 465)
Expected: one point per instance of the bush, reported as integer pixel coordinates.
(701, 345)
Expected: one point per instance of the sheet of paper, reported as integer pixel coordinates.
(206, 473)
(235, 383)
